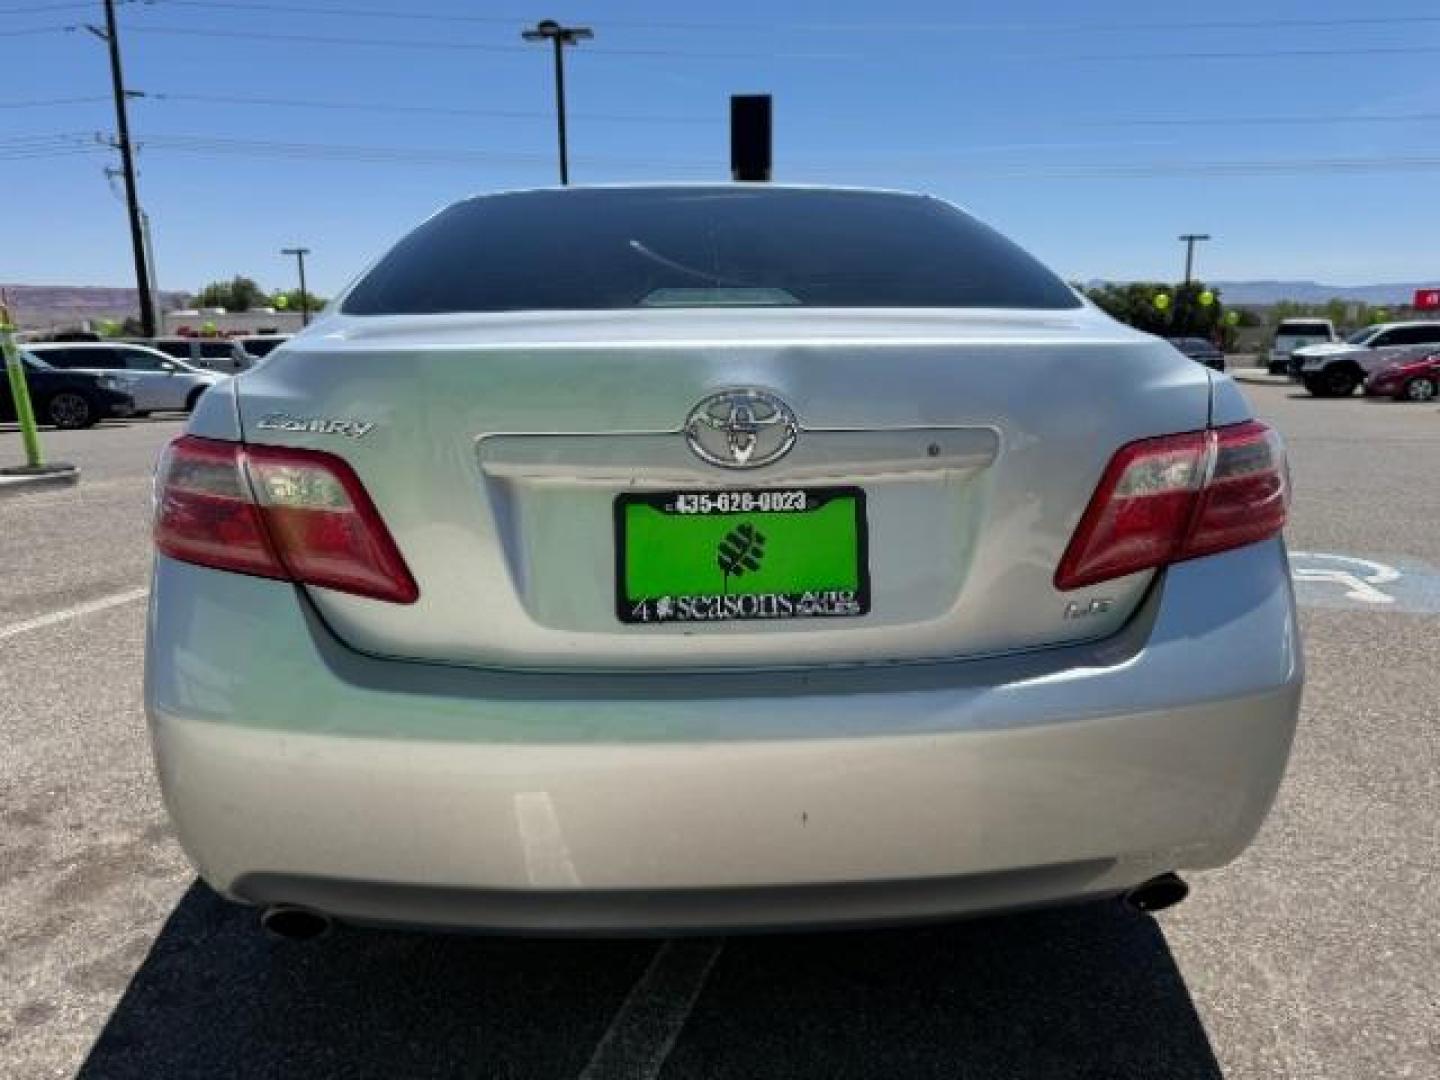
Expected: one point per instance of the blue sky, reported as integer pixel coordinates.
(1093, 133)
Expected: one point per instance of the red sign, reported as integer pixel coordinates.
(1427, 299)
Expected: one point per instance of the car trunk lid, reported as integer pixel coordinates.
(497, 448)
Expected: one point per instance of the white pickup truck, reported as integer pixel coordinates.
(1335, 370)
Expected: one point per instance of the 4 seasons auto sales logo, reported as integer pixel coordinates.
(720, 607)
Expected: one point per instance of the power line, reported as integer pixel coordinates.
(37, 9)
(465, 46)
(438, 110)
(1260, 121)
(43, 102)
(1327, 119)
(29, 155)
(641, 118)
(832, 26)
(854, 58)
(401, 154)
(30, 31)
(1258, 54)
(48, 137)
(65, 143)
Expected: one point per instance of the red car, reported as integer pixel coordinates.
(1408, 380)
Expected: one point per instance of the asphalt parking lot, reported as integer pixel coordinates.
(1315, 955)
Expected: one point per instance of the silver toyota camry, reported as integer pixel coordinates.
(650, 559)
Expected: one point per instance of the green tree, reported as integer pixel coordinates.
(1181, 315)
(237, 294)
(291, 300)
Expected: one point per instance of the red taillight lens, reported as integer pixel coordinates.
(1178, 497)
(204, 512)
(299, 515)
(1247, 493)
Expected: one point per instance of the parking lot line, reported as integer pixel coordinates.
(645, 1027)
(64, 614)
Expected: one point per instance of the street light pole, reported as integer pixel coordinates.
(300, 254)
(560, 36)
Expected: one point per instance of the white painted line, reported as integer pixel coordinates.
(645, 1027)
(87, 608)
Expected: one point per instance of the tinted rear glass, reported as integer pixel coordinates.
(1305, 329)
(216, 350)
(178, 349)
(702, 247)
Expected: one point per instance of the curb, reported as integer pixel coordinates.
(20, 479)
(1259, 377)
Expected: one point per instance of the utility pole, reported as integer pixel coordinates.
(550, 30)
(111, 36)
(1189, 240)
(300, 254)
(150, 261)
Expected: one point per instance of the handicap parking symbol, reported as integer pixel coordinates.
(1324, 579)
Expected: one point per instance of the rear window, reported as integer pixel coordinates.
(1303, 329)
(1415, 335)
(260, 346)
(178, 349)
(602, 249)
(92, 359)
(216, 350)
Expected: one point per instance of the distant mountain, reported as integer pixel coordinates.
(45, 306)
(1313, 292)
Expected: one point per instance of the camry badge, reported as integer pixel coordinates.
(741, 429)
(319, 425)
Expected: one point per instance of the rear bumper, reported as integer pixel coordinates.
(298, 771)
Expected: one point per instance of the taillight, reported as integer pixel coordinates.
(1178, 497)
(296, 515)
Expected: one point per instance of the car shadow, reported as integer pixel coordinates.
(1089, 991)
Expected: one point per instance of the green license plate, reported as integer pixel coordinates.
(721, 556)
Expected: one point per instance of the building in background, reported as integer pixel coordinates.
(217, 322)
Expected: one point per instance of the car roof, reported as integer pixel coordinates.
(580, 191)
(1407, 322)
(695, 186)
(91, 345)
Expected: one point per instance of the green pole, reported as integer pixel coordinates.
(19, 390)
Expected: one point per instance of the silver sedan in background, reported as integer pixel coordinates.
(690, 558)
(157, 382)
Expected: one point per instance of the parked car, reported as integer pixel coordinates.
(224, 355)
(1201, 350)
(1294, 334)
(1408, 380)
(1336, 370)
(158, 383)
(67, 399)
(676, 558)
(262, 345)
